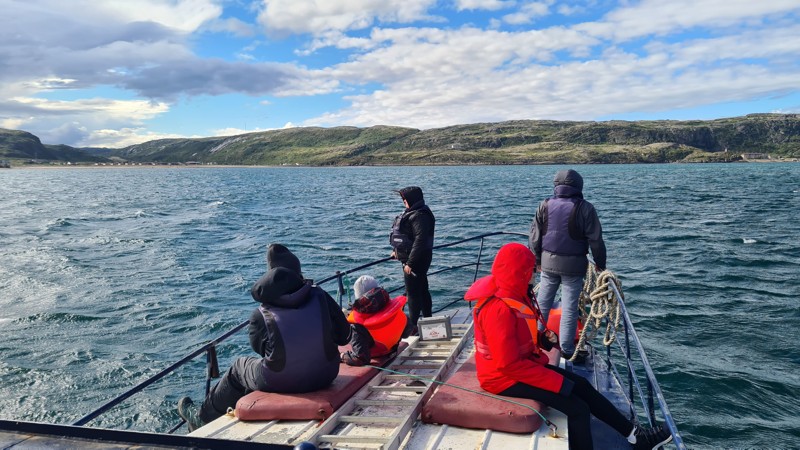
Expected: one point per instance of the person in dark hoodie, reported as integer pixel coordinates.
(296, 330)
(564, 229)
(412, 243)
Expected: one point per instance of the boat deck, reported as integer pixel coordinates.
(385, 412)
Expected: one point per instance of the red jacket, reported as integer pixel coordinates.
(513, 356)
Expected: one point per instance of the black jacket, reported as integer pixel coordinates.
(418, 225)
(265, 338)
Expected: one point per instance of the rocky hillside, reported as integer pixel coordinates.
(512, 142)
(20, 145)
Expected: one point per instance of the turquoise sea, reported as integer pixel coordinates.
(108, 276)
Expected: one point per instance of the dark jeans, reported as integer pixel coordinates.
(419, 297)
(578, 405)
(243, 377)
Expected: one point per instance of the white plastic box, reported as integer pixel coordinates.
(434, 328)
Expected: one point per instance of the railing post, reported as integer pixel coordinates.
(340, 291)
(212, 367)
(478, 262)
(650, 403)
(628, 357)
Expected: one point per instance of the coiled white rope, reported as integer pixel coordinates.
(598, 295)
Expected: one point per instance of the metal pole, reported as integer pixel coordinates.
(478, 262)
(340, 291)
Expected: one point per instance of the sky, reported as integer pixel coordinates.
(113, 73)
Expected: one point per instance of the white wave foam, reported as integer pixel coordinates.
(216, 203)
(749, 240)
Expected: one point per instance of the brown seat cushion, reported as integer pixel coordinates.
(317, 405)
(453, 406)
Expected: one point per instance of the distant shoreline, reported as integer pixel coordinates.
(245, 166)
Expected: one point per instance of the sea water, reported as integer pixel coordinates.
(108, 276)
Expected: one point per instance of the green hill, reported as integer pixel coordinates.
(23, 146)
(511, 142)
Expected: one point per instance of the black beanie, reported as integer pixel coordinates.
(280, 256)
(274, 283)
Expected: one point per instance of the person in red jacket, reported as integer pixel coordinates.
(511, 363)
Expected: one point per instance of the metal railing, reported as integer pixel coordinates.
(653, 390)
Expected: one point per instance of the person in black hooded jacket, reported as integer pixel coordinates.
(296, 331)
(412, 242)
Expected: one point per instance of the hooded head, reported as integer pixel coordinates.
(280, 256)
(280, 287)
(411, 194)
(364, 284)
(512, 270)
(568, 183)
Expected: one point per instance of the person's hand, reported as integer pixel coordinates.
(548, 339)
(393, 255)
(407, 269)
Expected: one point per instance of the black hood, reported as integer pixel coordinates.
(280, 256)
(281, 287)
(568, 183)
(412, 194)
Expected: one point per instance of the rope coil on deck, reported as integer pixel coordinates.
(598, 295)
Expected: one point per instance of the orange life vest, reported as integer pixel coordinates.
(522, 311)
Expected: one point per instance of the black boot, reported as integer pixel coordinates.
(651, 439)
(190, 413)
(362, 344)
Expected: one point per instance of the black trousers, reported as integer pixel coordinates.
(419, 297)
(583, 401)
(242, 378)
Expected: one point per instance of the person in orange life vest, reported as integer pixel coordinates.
(377, 321)
(511, 363)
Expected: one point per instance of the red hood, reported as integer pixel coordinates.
(511, 273)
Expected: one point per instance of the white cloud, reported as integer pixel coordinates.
(433, 78)
(233, 26)
(568, 10)
(129, 109)
(528, 13)
(184, 16)
(313, 17)
(336, 39)
(123, 137)
(489, 5)
(233, 131)
(656, 17)
(76, 122)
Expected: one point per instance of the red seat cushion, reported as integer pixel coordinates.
(317, 405)
(453, 406)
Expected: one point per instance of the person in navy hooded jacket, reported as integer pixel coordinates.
(564, 229)
(296, 330)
